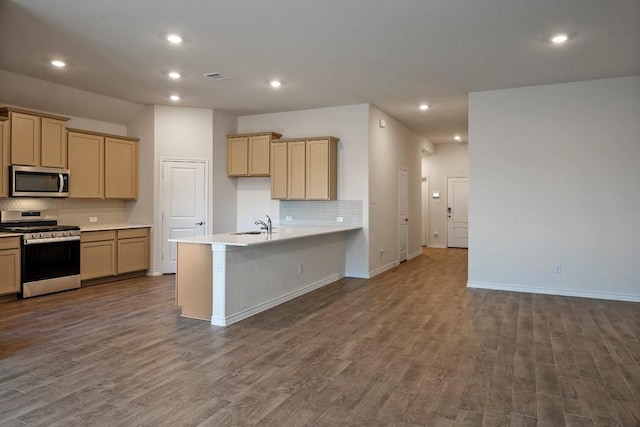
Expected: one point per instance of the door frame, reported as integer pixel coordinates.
(160, 244)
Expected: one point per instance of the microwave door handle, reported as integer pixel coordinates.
(60, 183)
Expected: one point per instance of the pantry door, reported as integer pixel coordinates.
(458, 212)
(184, 205)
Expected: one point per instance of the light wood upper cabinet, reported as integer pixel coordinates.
(53, 148)
(321, 172)
(86, 165)
(279, 170)
(296, 170)
(9, 265)
(311, 172)
(4, 158)
(25, 139)
(121, 168)
(249, 154)
(36, 139)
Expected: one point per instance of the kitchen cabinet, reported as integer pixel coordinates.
(121, 168)
(86, 165)
(4, 157)
(97, 254)
(310, 170)
(37, 139)
(249, 154)
(9, 265)
(133, 250)
(109, 253)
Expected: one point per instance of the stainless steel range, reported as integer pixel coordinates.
(50, 252)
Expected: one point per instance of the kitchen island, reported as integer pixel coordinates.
(224, 278)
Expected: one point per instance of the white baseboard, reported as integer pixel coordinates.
(382, 269)
(154, 273)
(549, 291)
(415, 254)
(437, 245)
(225, 321)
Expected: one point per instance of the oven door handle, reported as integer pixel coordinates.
(51, 240)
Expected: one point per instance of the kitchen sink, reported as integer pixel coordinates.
(245, 233)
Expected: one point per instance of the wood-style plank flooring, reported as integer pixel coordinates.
(411, 347)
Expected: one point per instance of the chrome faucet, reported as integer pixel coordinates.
(265, 226)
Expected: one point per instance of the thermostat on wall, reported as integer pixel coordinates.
(436, 195)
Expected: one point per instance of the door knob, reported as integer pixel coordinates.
(199, 223)
(406, 220)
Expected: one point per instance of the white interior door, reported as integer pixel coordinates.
(184, 206)
(403, 214)
(458, 212)
(425, 211)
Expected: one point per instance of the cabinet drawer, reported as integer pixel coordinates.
(97, 236)
(130, 233)
(9, 243)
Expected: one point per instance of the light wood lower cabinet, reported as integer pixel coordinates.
(108, 253)
(133, 250)
(97, 254)
(9, 265)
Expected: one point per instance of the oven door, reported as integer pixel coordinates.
(50, 267)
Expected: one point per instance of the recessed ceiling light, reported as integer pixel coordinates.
(457, 138)
(275, 83)
(174, 98)
(424, 107)
(174, 38)
(58, 63)
(175, 75)
(559, 38)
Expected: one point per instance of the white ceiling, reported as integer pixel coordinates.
(394, 54)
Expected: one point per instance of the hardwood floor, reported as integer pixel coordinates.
(411, 347)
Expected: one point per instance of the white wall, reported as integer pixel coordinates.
(224, 188)
(351, 125)
(180, 133)
(554, 181)
(448, 160)
(390, 148)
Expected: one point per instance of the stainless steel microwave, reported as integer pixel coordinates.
(29, 181)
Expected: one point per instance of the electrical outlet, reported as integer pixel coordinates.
(339, 219)
(300, 269)
(288, 218)
(558, 269)
(93, 219)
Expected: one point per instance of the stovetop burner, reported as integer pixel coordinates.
(40, 228)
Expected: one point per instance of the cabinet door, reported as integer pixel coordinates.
(86, 166)
(279, 170)
(10, 265)
(97, 259)
(296, 169)
(259, 155)
(120, 169)
(237, 156)
(53, 147)
(25, 139)
(321, 170)
(4, 158)
(133, 254)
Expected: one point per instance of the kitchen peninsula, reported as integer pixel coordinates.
(224, 278)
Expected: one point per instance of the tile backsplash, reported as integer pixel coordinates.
(73, 211)
(321, 212)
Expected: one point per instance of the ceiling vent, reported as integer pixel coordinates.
(216, 76)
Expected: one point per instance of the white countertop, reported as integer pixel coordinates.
(105, 227)
(279, 234)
